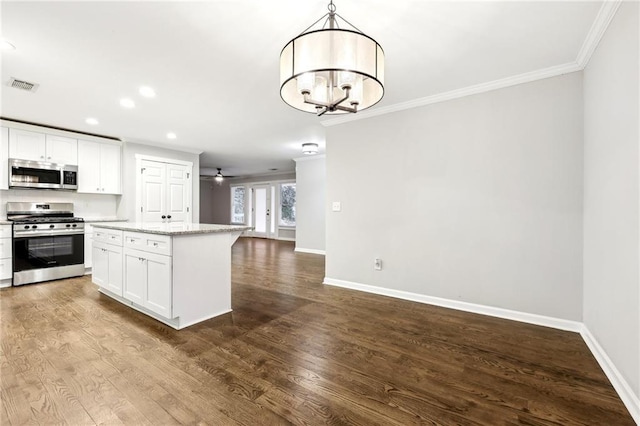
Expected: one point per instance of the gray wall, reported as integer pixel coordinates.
(126, 206)
(310, 203)
(215, 202)
(477, 199)
(611, 204)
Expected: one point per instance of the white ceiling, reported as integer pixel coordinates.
(214, 65)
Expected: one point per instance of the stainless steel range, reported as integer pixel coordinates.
(48, 242)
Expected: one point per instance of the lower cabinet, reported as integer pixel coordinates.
(6, 265)
(147, 281)
(107, 266)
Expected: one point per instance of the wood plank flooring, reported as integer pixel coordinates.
(292, 352)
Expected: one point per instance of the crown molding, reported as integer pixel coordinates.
(459, 93)
(600, 24)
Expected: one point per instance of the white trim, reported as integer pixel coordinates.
(600, 24)
(310, 251)
(163, 160)
(628, 397)
(459, 93)
(309, 157)
(6, 284)
(167, 146)
(558, 323)
(285, 239)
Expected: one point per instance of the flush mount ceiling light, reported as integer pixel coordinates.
(309, 148)
(92, 121)
(171, 135)
(332, 70)
(127, 103)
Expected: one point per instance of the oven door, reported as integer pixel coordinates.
(48, 257)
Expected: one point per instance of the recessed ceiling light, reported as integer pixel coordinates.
(171, 135)
(147, 92)
(92, 121)
(5, 45)
(127, 103)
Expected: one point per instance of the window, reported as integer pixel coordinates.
(237, 204)
(288, 204)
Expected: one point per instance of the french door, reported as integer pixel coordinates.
(261, 211)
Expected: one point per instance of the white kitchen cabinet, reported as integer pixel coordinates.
(99, 168)
(107, 271)
(6, 266)
(88, 245)
(147, 280)
(4, 157)
(36, 146)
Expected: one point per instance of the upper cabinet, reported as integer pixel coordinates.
(35, 146)
(4, 156)
(99, 168)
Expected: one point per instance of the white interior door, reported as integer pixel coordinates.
(153, 191)
(261, 210)
(178, 190)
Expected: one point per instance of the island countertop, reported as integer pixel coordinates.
(172, 229)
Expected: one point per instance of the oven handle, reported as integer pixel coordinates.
(27, 235)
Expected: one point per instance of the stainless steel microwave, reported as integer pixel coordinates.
(41, 175)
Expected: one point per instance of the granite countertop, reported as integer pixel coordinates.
(103, 219)
(172, 228)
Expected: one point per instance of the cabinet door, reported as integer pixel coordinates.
(4, 156)
(178, 190)
(158, 294)
(88, 167)
(135, 277)
(110, 170)
(100, 271)
(114, 284)
(153, 191)
(61, 150)
(26, 145)
(88, 249)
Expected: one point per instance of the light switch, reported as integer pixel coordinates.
(337, 206)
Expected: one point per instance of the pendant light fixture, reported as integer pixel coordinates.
(332, 69)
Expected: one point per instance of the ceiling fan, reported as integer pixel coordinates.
(218, 177)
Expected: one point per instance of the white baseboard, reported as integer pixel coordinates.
(5, 283)
(545, 321)
(312, 251)
(285, 239)
(628, 397)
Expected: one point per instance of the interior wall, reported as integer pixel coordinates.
(611, 197)
(126, 206)
(215, 202)
(477, 199)
(311, 179)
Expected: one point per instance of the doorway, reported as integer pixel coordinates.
(261, 211)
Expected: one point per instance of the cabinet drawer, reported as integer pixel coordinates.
(5, 231)
(6, 269)
(5, 248)
(110, 236)
(151, 243)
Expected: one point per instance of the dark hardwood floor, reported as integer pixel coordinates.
(292, 352)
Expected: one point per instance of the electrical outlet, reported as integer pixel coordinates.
(377, 264)
(336, 206)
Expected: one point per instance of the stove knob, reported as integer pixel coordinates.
(26, 227)
(74, 225)
(51, 226)
(34, 226)
(68, 226)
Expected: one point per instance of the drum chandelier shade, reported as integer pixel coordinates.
(332, 70)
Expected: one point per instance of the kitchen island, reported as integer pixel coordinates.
(177, 273)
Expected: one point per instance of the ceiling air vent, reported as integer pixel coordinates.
(23, 85)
